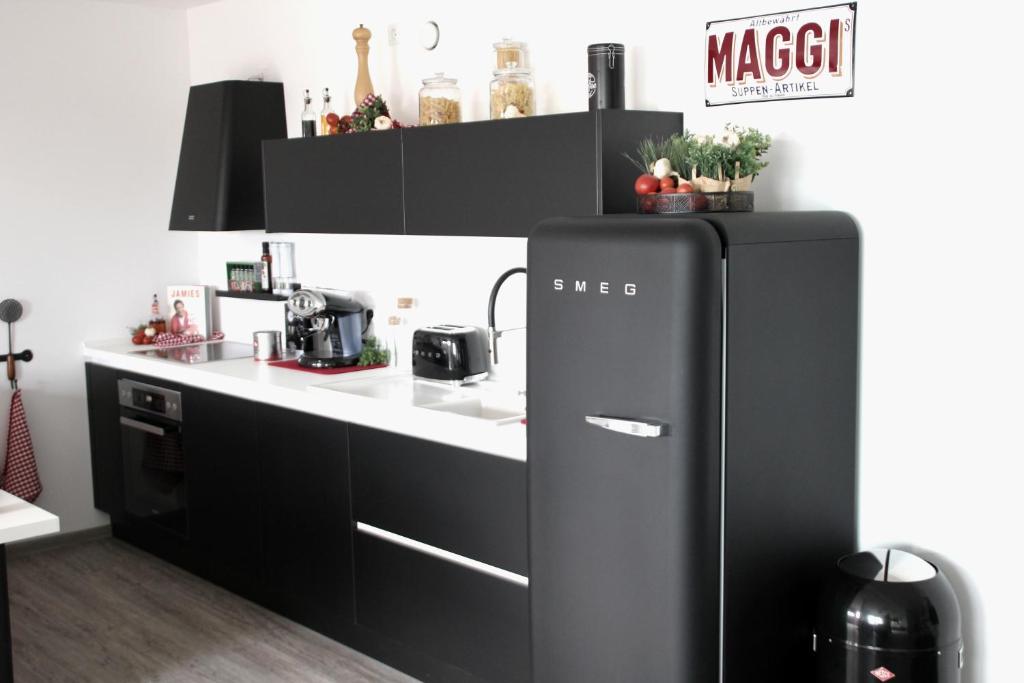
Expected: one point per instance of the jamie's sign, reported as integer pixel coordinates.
(786, 56)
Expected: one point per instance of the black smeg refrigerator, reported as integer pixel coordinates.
(692, 400)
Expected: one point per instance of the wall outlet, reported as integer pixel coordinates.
(427, 34)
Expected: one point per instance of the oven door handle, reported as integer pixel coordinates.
(143, 426)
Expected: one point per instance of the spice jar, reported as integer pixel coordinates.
(512, 87)
(439, 101)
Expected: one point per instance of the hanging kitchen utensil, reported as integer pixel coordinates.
(10, 312)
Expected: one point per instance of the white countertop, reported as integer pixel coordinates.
(252, 380)
(21, 520)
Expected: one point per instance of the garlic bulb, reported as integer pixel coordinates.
(662, 167)
(512, 112)
(382, 123)
(729, 138)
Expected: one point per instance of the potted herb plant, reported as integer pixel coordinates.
(687, 163)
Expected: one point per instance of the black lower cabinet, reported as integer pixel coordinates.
(223, 489)
(274, 498)
(459, 615)
(105, 439)
(416, 504)
(307, 531)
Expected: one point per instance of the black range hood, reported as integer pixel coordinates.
(220, 169)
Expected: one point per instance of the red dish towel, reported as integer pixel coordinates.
(20, 475)
(171, 339)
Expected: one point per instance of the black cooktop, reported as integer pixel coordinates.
(200, 353)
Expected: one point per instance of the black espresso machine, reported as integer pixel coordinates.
(325, 327)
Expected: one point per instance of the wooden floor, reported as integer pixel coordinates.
(105, 611)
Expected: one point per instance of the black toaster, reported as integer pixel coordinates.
(449, 353)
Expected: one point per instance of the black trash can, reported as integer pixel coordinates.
(888, 615)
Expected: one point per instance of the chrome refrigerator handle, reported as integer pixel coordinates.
(627, 425)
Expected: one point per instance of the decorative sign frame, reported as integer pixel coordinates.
(797, 55)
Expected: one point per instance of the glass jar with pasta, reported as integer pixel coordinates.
(512, 94)
(440, 101)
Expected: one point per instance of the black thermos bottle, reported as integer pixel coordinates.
(606, 77)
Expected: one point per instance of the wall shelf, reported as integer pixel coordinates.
(255, 296)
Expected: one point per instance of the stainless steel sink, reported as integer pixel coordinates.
(485, 401)
(398, 389)
(482, 409)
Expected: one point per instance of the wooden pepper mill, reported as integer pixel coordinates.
(364, 86)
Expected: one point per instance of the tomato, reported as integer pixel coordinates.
(147, 340)
(138, 338)
(646, 184)
(668, 184)
(684, 187)
(333, 119)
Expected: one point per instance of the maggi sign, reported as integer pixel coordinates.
(785, 56)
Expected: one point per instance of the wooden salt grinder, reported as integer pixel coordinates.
(364, 86)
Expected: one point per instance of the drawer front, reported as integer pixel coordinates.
(462, 616)
(468, 503)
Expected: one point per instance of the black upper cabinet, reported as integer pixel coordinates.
(339, 184)
(105, 439)
(487, 178)
(307, 525)
(219, 184)
(500, 178)
(222, 471)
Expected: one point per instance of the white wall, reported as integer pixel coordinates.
(921, 156)
(92, 97)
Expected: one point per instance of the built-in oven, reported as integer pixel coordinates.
(153, 456)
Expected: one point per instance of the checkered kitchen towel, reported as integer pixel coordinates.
(20, 475)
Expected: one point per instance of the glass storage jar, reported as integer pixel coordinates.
(440, 101)
(512, 93)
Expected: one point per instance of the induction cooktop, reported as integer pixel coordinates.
(200, 353)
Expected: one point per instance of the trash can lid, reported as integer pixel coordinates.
(888, 565)
(889, 599)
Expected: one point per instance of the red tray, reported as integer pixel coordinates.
(293, 364)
